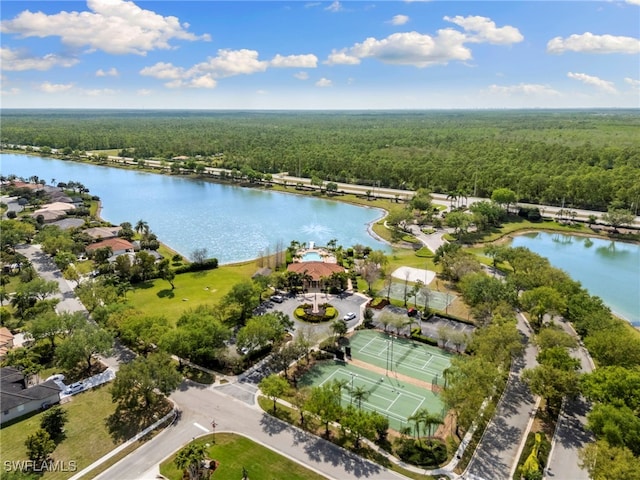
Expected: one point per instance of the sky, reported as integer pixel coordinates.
(307, 55)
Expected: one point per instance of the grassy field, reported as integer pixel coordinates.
(235, 452)
(87, 434)
(192, 289)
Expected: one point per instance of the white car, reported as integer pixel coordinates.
(349, 316)
(74, 388)
(57, 376)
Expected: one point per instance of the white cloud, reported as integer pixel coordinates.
(49, 87)
(324, 82)
(112, 72)
(262, 92)
(144, 92)
(18, 61)
(99, 92)
(334, 7)
(312, 4)
(423, 50)
(594, 81)
(523, 89)
(633, 2)
(399, 20)
(163, 71)
(231, 62)
(294, 61)
(486, 31)
(632, 81)
(11, 91)
(410, 48)
(227, 63)
(113, 26)
(341, 58)
(301, 75)
(590, 43)
(203, 81)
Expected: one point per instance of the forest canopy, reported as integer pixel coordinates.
(582, 159)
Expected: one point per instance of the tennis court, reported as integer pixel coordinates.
(400, 355)
(397, 374)
(437, 300)
(393, 398)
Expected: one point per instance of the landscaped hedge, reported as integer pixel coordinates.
(429, 454)
(378, 303)
(209, 264)
(303, 313)
(543, 455)
(416, 335)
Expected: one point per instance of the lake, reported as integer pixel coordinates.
(233, 223)
(608, 269)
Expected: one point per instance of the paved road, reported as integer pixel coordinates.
(201, 405)
(571, 434)
(498, 449)
(48, 270)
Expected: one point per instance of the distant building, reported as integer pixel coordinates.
(102, 233)
(16, 399)
(6, 341)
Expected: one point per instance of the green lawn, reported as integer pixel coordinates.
(235, 452)
(87, 435)
(192, 289)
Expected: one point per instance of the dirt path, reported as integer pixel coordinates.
(399, 376)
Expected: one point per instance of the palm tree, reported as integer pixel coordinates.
(142, 226)
(360, 393)
(190, 458)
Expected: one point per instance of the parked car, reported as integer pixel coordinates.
(74, 388)
(277, 298)
(412, 312)
(57, 376)
(349, 316)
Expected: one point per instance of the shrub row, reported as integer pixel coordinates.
(416, 335)
(209, 264)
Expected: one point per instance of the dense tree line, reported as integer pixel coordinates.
(579, 159)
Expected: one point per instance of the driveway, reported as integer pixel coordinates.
(344, 303)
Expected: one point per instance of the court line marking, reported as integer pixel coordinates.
(371, 407)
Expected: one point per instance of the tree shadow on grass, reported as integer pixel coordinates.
(125, 423)
(166, 293)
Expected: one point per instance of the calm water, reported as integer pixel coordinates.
(610, 270)
(232, 223)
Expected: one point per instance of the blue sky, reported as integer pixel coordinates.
(320, 55)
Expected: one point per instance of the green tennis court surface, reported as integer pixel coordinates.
(401, 355)
(386, 395)
(386, 392)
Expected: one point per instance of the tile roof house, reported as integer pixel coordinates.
(16, 399)
(102, 233)
(6, 341)
(318, 271)
(118, 246)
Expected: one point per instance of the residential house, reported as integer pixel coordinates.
(17, 399)
(118, 246)
(102, 233)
